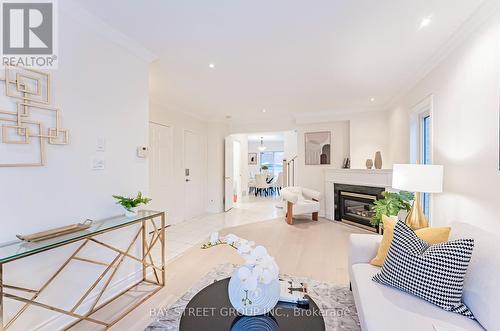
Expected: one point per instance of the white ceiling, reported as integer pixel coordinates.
(289, 57)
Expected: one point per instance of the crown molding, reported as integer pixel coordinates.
(482, 14)
(91, 21)
(331, 116)
(180, 110)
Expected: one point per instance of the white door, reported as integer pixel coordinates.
(193, 175)
(237, 169)
(161, 167)
(228, 173)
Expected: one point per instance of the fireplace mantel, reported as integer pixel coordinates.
(364, 177)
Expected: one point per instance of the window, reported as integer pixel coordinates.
(273, 160)
(421, 141)
(425, 153)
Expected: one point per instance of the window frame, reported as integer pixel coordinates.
(421, 111)
(423, 159)
(421, 139)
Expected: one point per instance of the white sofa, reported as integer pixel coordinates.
(382, 308)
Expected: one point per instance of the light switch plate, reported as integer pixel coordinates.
(97, 163)
(101, 145)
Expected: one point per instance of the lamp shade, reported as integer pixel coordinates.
(424, 178)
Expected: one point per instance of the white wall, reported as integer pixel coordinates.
(243, 176)
(369, 133)
(290, 144)
(312, 176)
(180, 122)
(102, 90)
(216, 132)
(212, 134)
(466, 93)
(399, 135)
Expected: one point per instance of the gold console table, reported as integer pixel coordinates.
(149, 226)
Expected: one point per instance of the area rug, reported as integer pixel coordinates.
(336, 302)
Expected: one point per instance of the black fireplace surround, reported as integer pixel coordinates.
(354, 204)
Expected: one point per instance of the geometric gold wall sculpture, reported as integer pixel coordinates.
(32, 122)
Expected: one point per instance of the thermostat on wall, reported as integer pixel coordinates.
(142, 151)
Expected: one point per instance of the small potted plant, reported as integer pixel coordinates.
(131, 205)
(390, 205)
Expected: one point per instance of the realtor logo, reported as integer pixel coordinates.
(28, 33)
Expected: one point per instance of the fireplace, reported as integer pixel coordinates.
(354, 204)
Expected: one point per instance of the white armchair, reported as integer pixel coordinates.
(301, 201)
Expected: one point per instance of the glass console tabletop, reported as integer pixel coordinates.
(16, 249)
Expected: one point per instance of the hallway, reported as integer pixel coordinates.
(184, 235)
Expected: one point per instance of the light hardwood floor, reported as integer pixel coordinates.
(307, 248)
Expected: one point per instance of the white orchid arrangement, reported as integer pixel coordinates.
(259, 266)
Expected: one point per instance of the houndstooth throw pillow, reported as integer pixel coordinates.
(434, 273)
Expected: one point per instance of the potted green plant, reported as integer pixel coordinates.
(391, 205)
(264, 167)
(131, 204)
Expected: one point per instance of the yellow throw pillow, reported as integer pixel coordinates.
(430, 235)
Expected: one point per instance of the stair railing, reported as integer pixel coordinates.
(289, 172)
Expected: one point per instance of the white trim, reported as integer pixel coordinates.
(421, 142)
(173, 107)
(91, 21)
(332, 116)
(418, 111)
(161, 124)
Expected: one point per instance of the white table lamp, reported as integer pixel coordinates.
(418, 178)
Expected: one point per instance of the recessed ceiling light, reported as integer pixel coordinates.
(264, 110)
(372, 99)
(211, 65)
(425, 22)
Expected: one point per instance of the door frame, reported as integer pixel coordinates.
(228, 172)
(170, 142)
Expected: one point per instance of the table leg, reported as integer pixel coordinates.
(143, 249)
(163, 248)
(1, 296)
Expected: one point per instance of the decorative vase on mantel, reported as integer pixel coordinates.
(369, 163)
(378, 160)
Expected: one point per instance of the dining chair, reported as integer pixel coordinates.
(261, 185)
(251, 186)
(278, 183)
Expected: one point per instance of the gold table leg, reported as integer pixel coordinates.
(1, 297)
(158, 235)
(44, 286)
(163, 249)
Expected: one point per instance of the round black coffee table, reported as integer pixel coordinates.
(211, 310)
